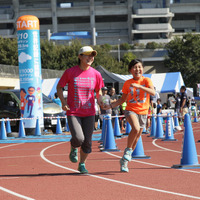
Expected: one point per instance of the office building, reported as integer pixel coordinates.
(96, 21)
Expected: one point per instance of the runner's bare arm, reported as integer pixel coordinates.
(62, 99)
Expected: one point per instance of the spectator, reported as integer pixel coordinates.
(105, 98)
(183, 104)
(154, 110)
(155, 97)
(159, 106)
(97, 110)
(113, 98)
(188, 103)
(122, 118)
(177, 103)
(193, 105)
(170, 100)
(164, 106)
(150, 112)
(57, 100)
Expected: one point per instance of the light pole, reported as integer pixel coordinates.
(119, 50)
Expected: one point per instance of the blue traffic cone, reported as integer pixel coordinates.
(176, 123)
(58, 126)
(161, 119)
(159, 128)
(189, 154)
(37, 128)
(21, 129)
(3, 135)
(8, 127)
(169, 134)
(109, 137)
(103, 131)
(139, 151)
(102, 140)
(153, 126)
(117, 132)
(128, 128)
(66, 125)
(184, 122)
(144, 131)
(173, 127)
(195, 117)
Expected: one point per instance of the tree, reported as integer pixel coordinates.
(184, 56)
(127, 58)
(59, 57)
(49, 55)
(8, 51)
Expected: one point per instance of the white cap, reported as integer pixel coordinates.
(87, 50)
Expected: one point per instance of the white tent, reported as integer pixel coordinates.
(164, 82)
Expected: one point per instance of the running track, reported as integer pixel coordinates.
(43, 171)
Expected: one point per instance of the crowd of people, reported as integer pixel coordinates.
(182, 104)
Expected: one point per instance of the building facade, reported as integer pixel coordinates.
(103, 21)
(186, 16)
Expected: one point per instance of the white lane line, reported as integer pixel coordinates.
(166, 149)
(10, 145)
(28, 156)
(156, 165)
(8, 178)
(113, 180)
(15, 194)
(154, 143)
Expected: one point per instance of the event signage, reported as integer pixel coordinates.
(29, 58)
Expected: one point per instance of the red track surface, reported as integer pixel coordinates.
(43, 171)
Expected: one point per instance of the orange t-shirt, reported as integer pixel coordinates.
(137, 100)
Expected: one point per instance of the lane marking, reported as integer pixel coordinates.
(156, 165)
(154, 143)
(28, 156)
(15, 194)
(113, 180)
(10, 145)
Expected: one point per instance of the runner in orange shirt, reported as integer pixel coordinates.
(136, 92)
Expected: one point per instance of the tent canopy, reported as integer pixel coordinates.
(49, 86)
(164, 82)
(109, 77)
